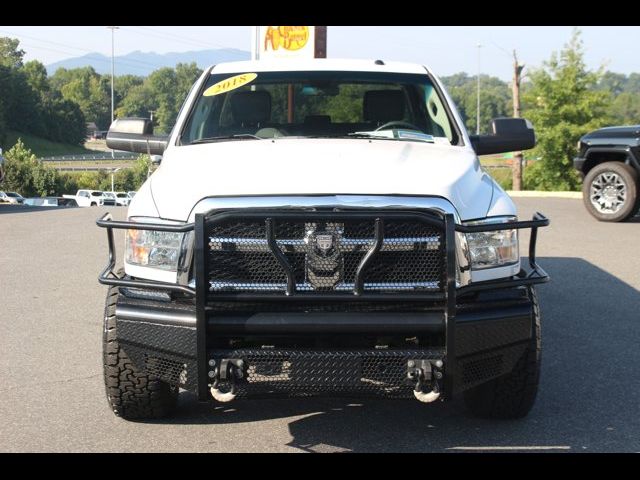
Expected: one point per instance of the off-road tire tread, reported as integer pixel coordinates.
(512, 395)
(132, 394)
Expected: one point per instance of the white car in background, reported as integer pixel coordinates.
(5, 198)
(109, 198)
(16, 196)
(122, 199)
(89, 198)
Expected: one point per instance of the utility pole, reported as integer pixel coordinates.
(113, 29)
(255, 38)
(516, 165)
(112, 174)
(478, 99)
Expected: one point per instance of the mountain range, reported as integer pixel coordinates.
(143, 63)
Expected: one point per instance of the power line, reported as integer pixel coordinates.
(99, 59)
(171, 36)
(125, 61)
(180, 38)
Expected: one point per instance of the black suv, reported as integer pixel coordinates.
(609, 161)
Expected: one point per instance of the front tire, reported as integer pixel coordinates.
(610, 192)
(512, 395)
(132, 394)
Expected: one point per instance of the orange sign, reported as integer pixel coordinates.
(285, 42)
(289, 38)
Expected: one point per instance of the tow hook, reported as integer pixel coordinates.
(227, 373)
(425, 374)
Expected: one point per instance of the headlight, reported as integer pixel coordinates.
(495, 248)
(154, 249)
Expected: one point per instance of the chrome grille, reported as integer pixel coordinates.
(324, 255)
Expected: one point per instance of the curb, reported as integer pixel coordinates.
(534, 193)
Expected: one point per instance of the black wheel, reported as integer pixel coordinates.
(610, 192)
(512, 395)
(93, 204)
(132, 395)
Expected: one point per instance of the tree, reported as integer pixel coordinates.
(123, 85)
(84, 87)
(10, 55)
(26, 174)
(35, 74)
(495, 99)
(140, 171)
(162, 92)
(563, 105)
(138, 102)
(186, 75)
(5, 82)
(614, 83)
(64, 121)
(625, 109)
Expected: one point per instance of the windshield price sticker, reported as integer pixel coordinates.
(229, 84)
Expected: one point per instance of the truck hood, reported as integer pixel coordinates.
(314, 167)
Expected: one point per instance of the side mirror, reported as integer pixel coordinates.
(135, 135)
(509, 135)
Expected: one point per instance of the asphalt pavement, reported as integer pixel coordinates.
(52, 393)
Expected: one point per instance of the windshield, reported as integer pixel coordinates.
(96, 194)
(247, 106)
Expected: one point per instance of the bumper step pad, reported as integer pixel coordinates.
(308, 372)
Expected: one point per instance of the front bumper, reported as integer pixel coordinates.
(483, 329)
(491, 333)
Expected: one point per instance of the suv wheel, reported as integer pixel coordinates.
(132, 394)
(610, 192)
(512, 395)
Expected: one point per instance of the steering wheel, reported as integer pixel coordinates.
(270, 132)
(398, 123)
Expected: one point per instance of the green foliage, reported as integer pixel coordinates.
(67, 183)
(124, 180)
(563, 105)
(123, 86)
(10, 55)
(28, 103)
(40, 146)
(84, 87)
(625, 109)
(162, 92)
(495, 99)
(35, 74)
(26, 174)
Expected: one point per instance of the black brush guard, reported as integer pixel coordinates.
(447, 295)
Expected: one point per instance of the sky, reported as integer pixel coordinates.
(446, 50)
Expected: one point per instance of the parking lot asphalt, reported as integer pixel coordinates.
(52, 395)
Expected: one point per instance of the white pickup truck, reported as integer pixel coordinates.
(91, 198)
(319, 227)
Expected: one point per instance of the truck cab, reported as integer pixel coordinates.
(321, 227)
